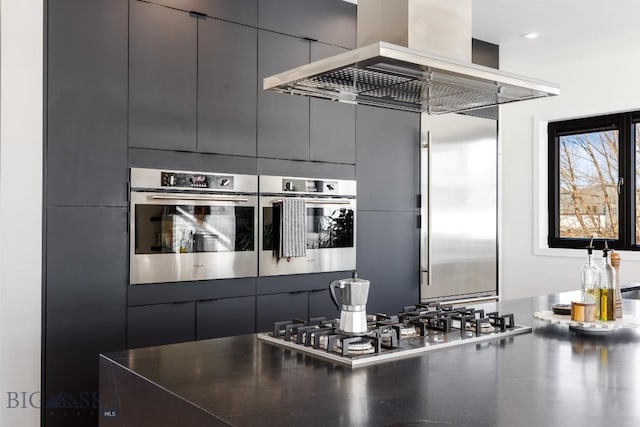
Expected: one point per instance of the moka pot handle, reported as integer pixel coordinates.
(332, 287)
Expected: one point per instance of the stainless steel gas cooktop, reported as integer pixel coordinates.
(416, 330)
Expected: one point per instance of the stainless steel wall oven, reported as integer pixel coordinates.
(191, 226)
(330, 237)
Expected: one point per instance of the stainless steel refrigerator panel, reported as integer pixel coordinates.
(459, 207)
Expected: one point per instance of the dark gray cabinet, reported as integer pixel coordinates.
(85, 298)
(159, 324)
(332, 127)
(387, 249)
(162, 77)
(321, 305)
(277, 307)
(225, 317)
(388, 153)
(192, 88)
(227, 75)
(86, 144)
(241, 11)
(297, 128)
(332, 132)
(283, 120)
(330, 21)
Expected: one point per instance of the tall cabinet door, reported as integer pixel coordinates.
(283, 120)
(227, 76)
(162, 77)
(459, 176)
(332, 132)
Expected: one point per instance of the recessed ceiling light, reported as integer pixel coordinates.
(531, 35)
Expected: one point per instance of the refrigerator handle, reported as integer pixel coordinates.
(426, 213)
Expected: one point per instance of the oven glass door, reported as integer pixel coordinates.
(193, 228)
(177, 237)
(330, 238)
(328, 226)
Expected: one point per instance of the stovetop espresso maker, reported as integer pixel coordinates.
(351, 300)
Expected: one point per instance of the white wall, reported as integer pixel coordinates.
(21, 77)
(598, 84)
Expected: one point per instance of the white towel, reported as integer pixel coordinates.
(293, 228)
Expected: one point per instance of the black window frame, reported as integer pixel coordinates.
(624, 123)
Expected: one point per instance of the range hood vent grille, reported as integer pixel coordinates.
(391, 76)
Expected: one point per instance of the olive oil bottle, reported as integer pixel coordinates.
(607, 287)
(590, 279)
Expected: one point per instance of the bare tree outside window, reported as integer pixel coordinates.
(588, 173)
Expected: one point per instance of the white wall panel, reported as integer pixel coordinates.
(21, 85)
(600, 83)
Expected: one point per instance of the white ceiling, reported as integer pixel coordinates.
(571, 28)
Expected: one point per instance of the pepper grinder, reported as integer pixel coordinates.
(615, 262)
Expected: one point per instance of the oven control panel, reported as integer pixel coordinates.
(293, 185)
(196, 180)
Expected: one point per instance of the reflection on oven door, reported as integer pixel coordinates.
(330, 240)
(181, 241)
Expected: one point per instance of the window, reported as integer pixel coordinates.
(594, 178)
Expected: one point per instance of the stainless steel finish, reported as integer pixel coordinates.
(396, 77)
(198, 197)
(343, 194)
(435, 26)
(465, 301)
(143, 178)
(412, 55)
(425, 203)
(176, 267)
(316, 261)
(357, 307)
(352, 303)
(460, 203)
(274, 185)
(158, 268)
(408, 348)
(322, 201)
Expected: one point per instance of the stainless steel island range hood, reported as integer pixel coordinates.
(423, 63)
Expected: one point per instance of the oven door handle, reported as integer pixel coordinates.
(198, 197)
(315, 201)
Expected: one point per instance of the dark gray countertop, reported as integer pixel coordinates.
(551, 377)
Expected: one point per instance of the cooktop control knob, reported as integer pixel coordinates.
(331, 187)
(224, 182)
(288, 186)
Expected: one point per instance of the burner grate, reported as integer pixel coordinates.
(415, 329)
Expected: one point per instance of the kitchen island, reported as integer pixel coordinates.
(550, 377)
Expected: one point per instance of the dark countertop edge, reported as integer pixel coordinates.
(145, 379)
